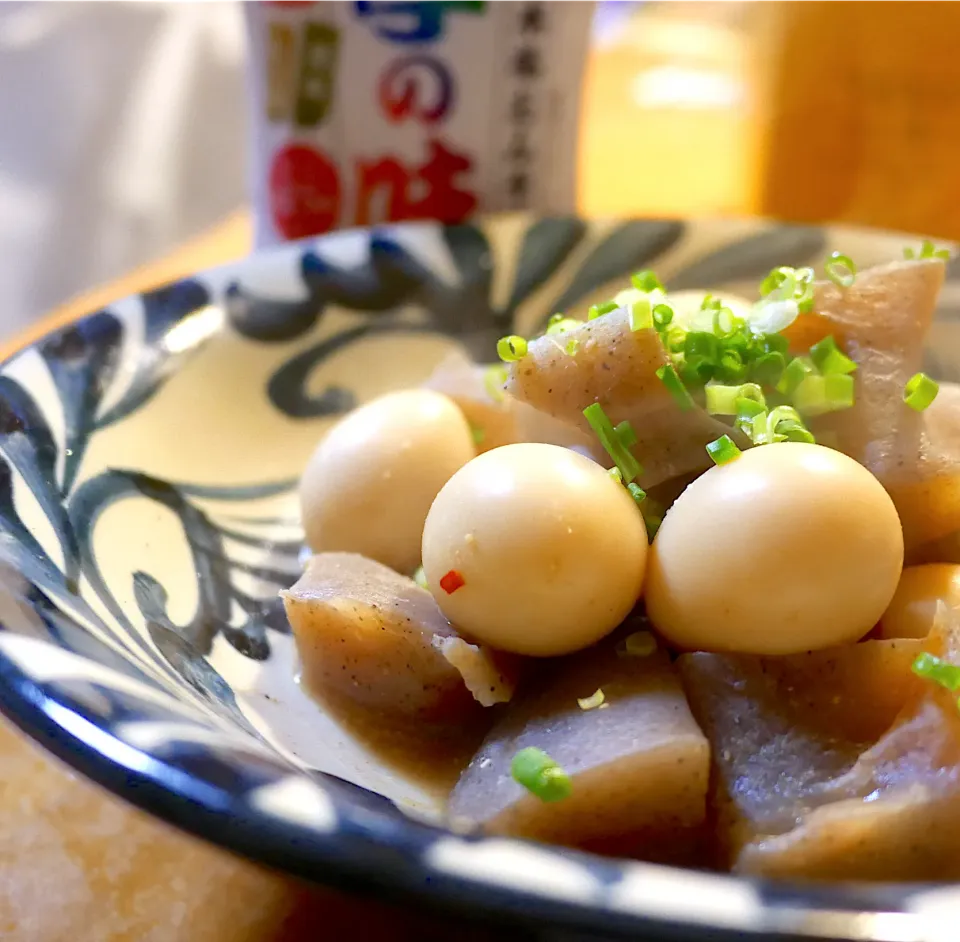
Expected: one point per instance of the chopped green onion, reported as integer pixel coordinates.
(624, 431)
(493, 379)
(817, 395)
(477, 433)
(920, 391)
(768, 368)
(700, 343)
(512, 348)
(591, 702)
(674, 339)
(747, 411)
(637, 644)
(615, 474)
(629, 466)
(927, 250)
(662, 316)
(774, 343)
(722, 400)
(759, 430)
(771, 315)
(828, 358)
(784, 424)
(796, 371)
(730, 368)
(561, 326)
(668, 376)
(646, 281)
(540, 775)
(723, 450)
(420, 578)
(726, 323)
(637, 492)
(840, 269)
(805, 299)
(710, 303)
(641, 314)
(935, 669)
(780, 284)
(571, 348)
(598, 310)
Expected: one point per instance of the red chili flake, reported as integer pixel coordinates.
(451, 582)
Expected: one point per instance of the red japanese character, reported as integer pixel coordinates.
(442, 198)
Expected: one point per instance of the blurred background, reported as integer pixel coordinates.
(123, 125)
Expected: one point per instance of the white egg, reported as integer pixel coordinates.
(369, 484)
(788, 548)
(534, 549)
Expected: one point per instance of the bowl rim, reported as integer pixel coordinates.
(390, 858)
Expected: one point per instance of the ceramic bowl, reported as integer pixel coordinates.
(148, 517)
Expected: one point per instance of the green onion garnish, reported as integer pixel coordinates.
(840, 269)
(722, 400)
(662, 316)
(571, 346)
(615, 474)
(780, 284)
(593, 701)
(767, 368)
(598, 310)
(558, 324)
(512, 348)
(723, 450)
(477, 433)
(828, 358)
(747, 411)
(493, 379)
(927, 250)
(628, 465)
(540, 775)
(420, 578)
(637, 644)
(674, 339)
(641, 314)
(920, 391)
(624, 431)
(817, 395)
(637, 492)
(934, 668)
(710, 303)
(730, 368)
(784, 424)
(646, 281)
(726, 323)
(797, 370)
(668, 376)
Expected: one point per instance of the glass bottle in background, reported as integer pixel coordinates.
(862, 114)
(670, 113)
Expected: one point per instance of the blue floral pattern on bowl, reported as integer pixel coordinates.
(148, 517)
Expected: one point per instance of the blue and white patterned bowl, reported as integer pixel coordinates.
(148, 518)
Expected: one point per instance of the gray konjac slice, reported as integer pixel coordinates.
(638, 764)
(618, 367)
(837, 764)
(376, 648)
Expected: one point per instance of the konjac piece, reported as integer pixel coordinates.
(617, 367)
(378, 652)
(638, 763)
(834, 765)
(881, 322)
(500, 421)
(902, 819)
